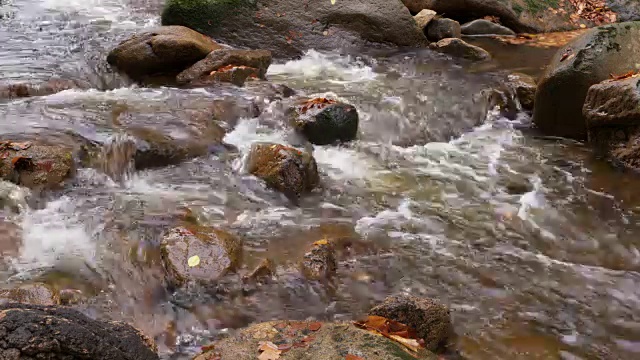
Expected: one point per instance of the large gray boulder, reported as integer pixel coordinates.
(587, 60)
(289, 27)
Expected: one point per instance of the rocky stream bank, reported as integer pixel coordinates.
(589, 92)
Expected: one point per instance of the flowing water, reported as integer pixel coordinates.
(529, 240)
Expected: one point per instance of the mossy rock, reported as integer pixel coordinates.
(311, 341)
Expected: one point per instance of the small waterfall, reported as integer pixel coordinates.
(117, 158)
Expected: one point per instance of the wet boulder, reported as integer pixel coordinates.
(324, 121)
(530, 16)
(586, 61)
(199, 254)
(49, 332)
(35, 294)
(290, 27)
(319, 263)
(460, 48)
(295, 340)
(485, 27)
(163, 50)
(227, 65)
(612, 112)
(442, 28)
(36, 165)
(424, 17)
(430, 319)
(524, 87)
(283, 168)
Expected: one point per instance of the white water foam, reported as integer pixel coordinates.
(54, 235)
(332, 67)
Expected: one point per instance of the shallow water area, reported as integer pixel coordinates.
(530, 241)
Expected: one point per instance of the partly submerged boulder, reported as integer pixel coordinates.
(49, 332)
(239, 64)
(442, 28)
(283, 168)
(289, 27)
(302, 340)
(485, 27)
(587, 60)
(36, 165)
(431, 320)
(522, 16)
(35, 294)
(164, 50)
(320, 262)
(462, 49)
(325, 121)
(524, 87)
(612, 112)
(201, 254)
(27, 89)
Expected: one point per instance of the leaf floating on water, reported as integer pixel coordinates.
(194, 261)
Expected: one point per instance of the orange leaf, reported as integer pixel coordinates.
(623, 76)
(353, 357)
(315, 326)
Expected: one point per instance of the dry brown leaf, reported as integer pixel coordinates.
(623, 76)
(315, 326)
(411, 344)
(269, 351)
(321, 242)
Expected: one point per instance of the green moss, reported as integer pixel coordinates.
(518, 9)
(204, 16)
(536, 6)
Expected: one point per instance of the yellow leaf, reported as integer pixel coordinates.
(193, 261)
(321, 242)
(333, 2)
(269, 351)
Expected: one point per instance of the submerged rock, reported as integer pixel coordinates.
(442, 28)
(459, 48)
(424, 17)
(290, 27)
(300, 340)
(227, 65)
(35, 294)
(430, 319)
(36, 165)
(612, 112)
(163, 50)
(20, 90)
(49, 332)
(486, 27)
(217, 252)
(320, 262)
(283, 168)
(325, 121)
(586, 61)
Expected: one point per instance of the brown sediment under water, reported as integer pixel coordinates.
(531, 241)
